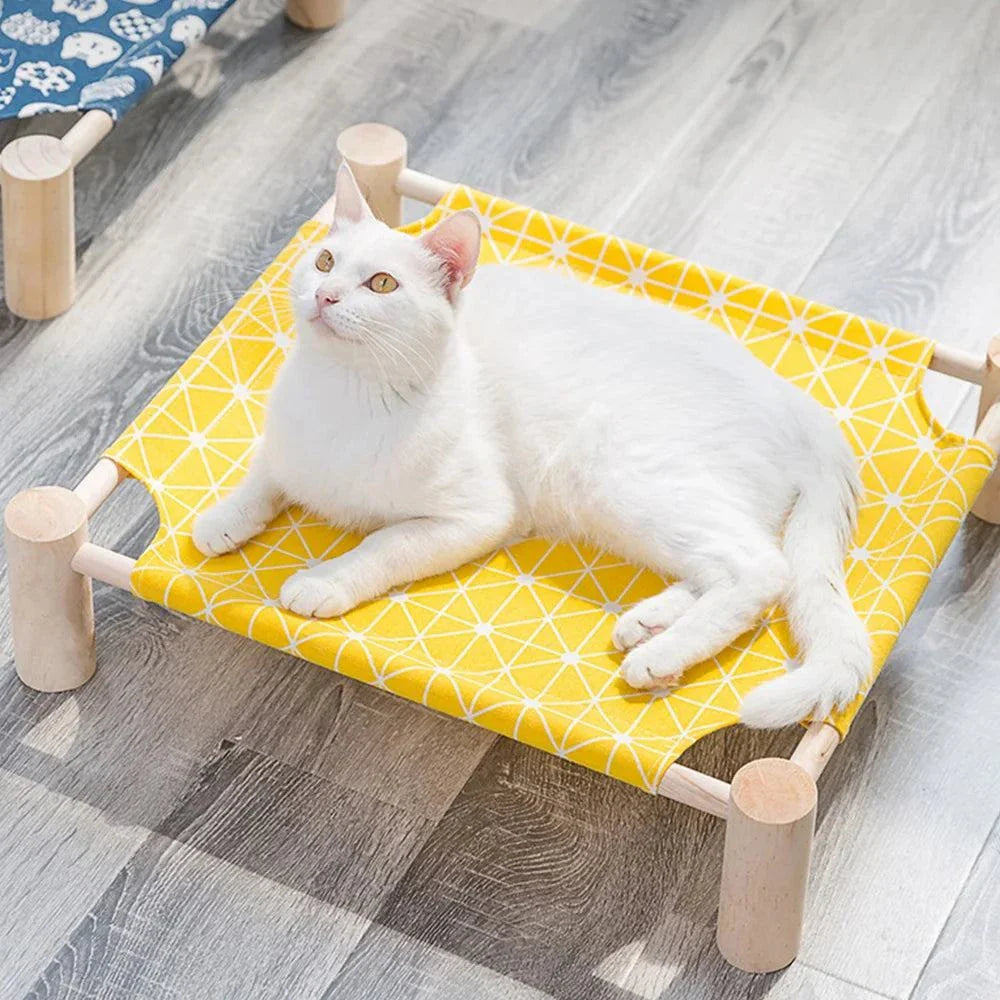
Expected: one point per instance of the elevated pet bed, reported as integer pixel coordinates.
(519, 642)
(95, 56)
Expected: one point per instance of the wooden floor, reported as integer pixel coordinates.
(209, 819)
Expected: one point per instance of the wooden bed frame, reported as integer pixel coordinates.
(770, 805)
(36, 176)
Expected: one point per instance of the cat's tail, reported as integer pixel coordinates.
(834, 648)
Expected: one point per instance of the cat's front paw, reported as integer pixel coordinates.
(224, 528)
(314, 593)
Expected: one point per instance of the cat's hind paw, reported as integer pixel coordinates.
(651, 616)
(630, 631)
(315, 594)
(643, 668)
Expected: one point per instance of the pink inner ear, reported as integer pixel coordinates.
(455, 242)
(451, 253)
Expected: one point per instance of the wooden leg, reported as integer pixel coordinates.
(987, 505)
(51, 606)
(769, 831)
(315, 14)
(377, 156)
(39, 243)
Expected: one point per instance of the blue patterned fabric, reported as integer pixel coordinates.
(68, 55)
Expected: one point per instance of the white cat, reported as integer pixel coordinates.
(445, 421)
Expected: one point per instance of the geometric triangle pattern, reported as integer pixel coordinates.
(519, 642)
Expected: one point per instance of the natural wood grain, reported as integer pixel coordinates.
(965, 962)
(919, 249)
(890, 801)
(358, 736)
(620, 83)
(765, 867)
(987, 505)
(51, 605)
(57, 855)
(784, 144)
(250, 845)
(38, 226)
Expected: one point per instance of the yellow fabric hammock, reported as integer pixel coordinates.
(520, 642)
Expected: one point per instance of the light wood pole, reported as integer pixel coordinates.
(765, 867)
(39, 239)
(315, 15)
(51, 605)
(377, 157)
(39, 228)
(987, 505)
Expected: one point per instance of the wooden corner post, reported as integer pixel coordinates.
(314, 15)
(987, 505)
(51, 605)
(765, 868)
(39, 244)
(377, 156)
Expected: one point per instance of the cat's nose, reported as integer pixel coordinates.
(325, 298)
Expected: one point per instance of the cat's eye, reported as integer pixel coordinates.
(324, 261)
(382, 283)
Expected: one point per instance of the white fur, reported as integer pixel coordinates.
(444, 422)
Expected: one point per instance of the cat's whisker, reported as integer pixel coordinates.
(386, 332)
(384, 346)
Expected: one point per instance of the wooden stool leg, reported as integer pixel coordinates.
(51, 606)
(315, 14)
(987, 505)
(39, 241)
(765, 868)
(377, 156)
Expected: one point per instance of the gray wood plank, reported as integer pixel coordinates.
(560, 880)
(965, 962)
(575, 121)
(919, 249)
(361, 738)
(907, 792)
(763, 173)
(249, 848)
(57, 855)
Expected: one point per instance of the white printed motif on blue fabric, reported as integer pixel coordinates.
(44, 77)
(108, 89)
(151, 65)
(82, 10)
(83, 54)
(29, 29)
(134, 25)
(95, 50)
(188, 30)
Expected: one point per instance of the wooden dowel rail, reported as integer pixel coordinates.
(105, 565)
(99, 483)
(692, 788)
(86, 133)
(422, 187)
(989, 427)
(957, 363)
(815, 749)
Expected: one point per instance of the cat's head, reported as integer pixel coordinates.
(379, 301)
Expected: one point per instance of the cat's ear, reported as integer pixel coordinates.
(455, 242)
(349, 204)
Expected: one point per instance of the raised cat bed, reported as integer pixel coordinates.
(99, 57)
(519, 642)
